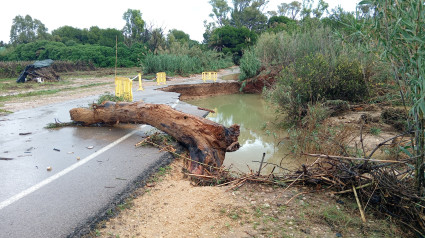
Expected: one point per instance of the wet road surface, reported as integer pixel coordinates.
(35, 202)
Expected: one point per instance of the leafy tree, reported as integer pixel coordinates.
(177, 35)
(232, 40)
(281, 23)
(307, 9)
(25, 30)
(249, 14)
(321, 8)
(109, 36)
(279, 20)
(93, 35)
(289, 9)
(157, 40)
(66, 33)
(134, 26)
(244, 13)
(221, 11)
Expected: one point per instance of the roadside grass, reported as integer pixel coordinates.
(3, 111)
(10, 84)
(47, 92)
(375, 131)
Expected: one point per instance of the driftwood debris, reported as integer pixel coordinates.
(206, 140)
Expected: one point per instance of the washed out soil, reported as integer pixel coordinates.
(188, 92)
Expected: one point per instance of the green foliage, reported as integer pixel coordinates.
(183, 64)
(100, 56)
(315, 67)
(232, 40)
(399, 29)
(249, 65)
(221, 11)
(107, 96)
(313, 78)
(375, 131)
(25, 30)
(134, 26)
(291, 10)
(281, 23)
(249, 14)
(175, 35)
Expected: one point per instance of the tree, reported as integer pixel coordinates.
(134, 26)
(290, 10)
(232, 40)
(25, 30)
(245, 13)
(281, 23)
(249, 14)
(67, 33)
(93, 35)
(221, 11)
(321, 8)
(109, 36)
(177, 35)
(157, 40)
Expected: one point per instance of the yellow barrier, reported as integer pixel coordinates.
(123, 88)
(209, 76)
(140, 83)
(161, 78)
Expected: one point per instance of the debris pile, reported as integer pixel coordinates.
(39, 71)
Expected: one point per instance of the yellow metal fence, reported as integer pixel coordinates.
(209, 76)
(123, 88)
(161, 78)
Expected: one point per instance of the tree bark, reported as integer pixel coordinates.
(206, 140)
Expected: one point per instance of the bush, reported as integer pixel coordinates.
(100, 56)
(313, 79)
(316, 67)
(249, 65)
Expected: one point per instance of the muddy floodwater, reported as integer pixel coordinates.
(252, 113)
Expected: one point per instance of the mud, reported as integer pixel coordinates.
(194, 91)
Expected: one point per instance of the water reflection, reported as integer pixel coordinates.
(251, 112)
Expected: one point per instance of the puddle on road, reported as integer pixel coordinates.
(251, 112)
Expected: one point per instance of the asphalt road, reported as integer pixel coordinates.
(64, 201)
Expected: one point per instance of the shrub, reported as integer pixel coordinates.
(249, 65)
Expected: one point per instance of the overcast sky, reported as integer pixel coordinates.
(186, 15)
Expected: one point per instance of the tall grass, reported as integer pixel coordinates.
(180, 59)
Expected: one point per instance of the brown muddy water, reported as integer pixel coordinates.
(252, 113)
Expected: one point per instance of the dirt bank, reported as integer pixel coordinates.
(191, 91)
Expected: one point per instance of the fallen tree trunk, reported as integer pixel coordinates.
(206, 140)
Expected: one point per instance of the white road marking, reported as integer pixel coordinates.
(52, 178)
